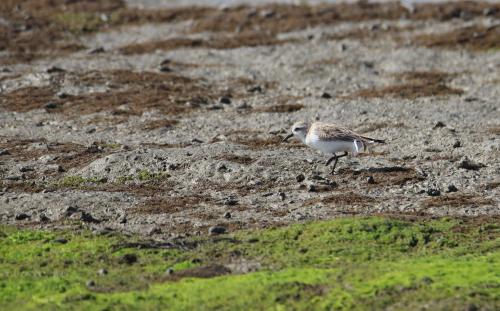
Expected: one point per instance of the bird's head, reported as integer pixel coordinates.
(299, 130)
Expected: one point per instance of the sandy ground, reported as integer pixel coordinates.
(168, 122)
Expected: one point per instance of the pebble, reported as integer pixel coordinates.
(169, 271)
(300, 178)
(26, 168)
(97, 50)
(326, 95)
(469, 165)
(90, 283)
(230, 201)
(60, 240)
(216, 230)
(254, 89)
(51, 105)
(433, 192)
(282, 196)
(311, 188)
(439, 125)
(452, 188)
(457, 144)
(55, 69)
(225, 100)
(43, 218)
(370, 180)
(22, 216)
(129, 259)
(227, 215)
(4, 152)
(102, 271)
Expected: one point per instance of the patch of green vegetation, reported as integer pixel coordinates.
(77, 181)
(143, 175)
(79, 22)
(348, 263)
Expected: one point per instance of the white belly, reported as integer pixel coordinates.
(335, 146)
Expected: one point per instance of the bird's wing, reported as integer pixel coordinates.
(330, 132)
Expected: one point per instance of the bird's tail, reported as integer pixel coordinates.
(380, 141)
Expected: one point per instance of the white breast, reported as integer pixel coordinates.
(334, 146)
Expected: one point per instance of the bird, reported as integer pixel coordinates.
(330, 139)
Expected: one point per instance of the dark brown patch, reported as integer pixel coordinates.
(236, 159)
(169, 205)
(205, 272)
(491, 185)
(349, 198)
(417, 84)
(456, 201)
(495, 130)
(474, 38)
(130, 93)
(218, 43)
(152, 125)
(280, 108)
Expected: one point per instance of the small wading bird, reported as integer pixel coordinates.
(330, 139)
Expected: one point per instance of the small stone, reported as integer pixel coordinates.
(129, 258)
(102, 271)
(282, 196)
(433, 192)
(300, 178)
(457, 144)
(55, 69)
(326, 95)
(165, 69)
(196, 141)
(312, 188)
(370, 180)
(98, 50)
(43, 218)
(90, 283)
(122, 219)
(452, 188)
(60, 240)
(227, 215)
(469, 165)
(230, 201)
(427, 280)
(169, 271)
(439, 125)
(90, 130)
(26, 168)
(225, 100)
(87, 217)
(255, 89)
(4, 152)
(62, 95)
(51, 105)
(216, 230)
(22, 216)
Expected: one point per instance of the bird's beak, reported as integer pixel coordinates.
(287, 137)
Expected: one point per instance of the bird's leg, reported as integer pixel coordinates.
(331, 159)
(336, 160)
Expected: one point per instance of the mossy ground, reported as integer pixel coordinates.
(348, 263)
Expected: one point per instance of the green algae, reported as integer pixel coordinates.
(348, 263)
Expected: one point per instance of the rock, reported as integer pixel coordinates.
(216, 230)
(227, 215)
(62, 95)
(196, 141)
(22, 216)
(51, 105)
(326, 95)
(90, 283)
(165, 69)
(370, 180)
(300, 178)
(4, 152)
(129, 259)
(433, 192)
(87, 217)
(43, 218)
(230, 201)
(55, 69)
(26, 168)
(102, 271)
(169, 271)
(60, 240)
(452, 188)
(439, 125)
(98, 50)
(255, 89)
(282, 196)
(225, 100)
(470, 165)
(457, 144)
(122, 219)
(312, 188)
